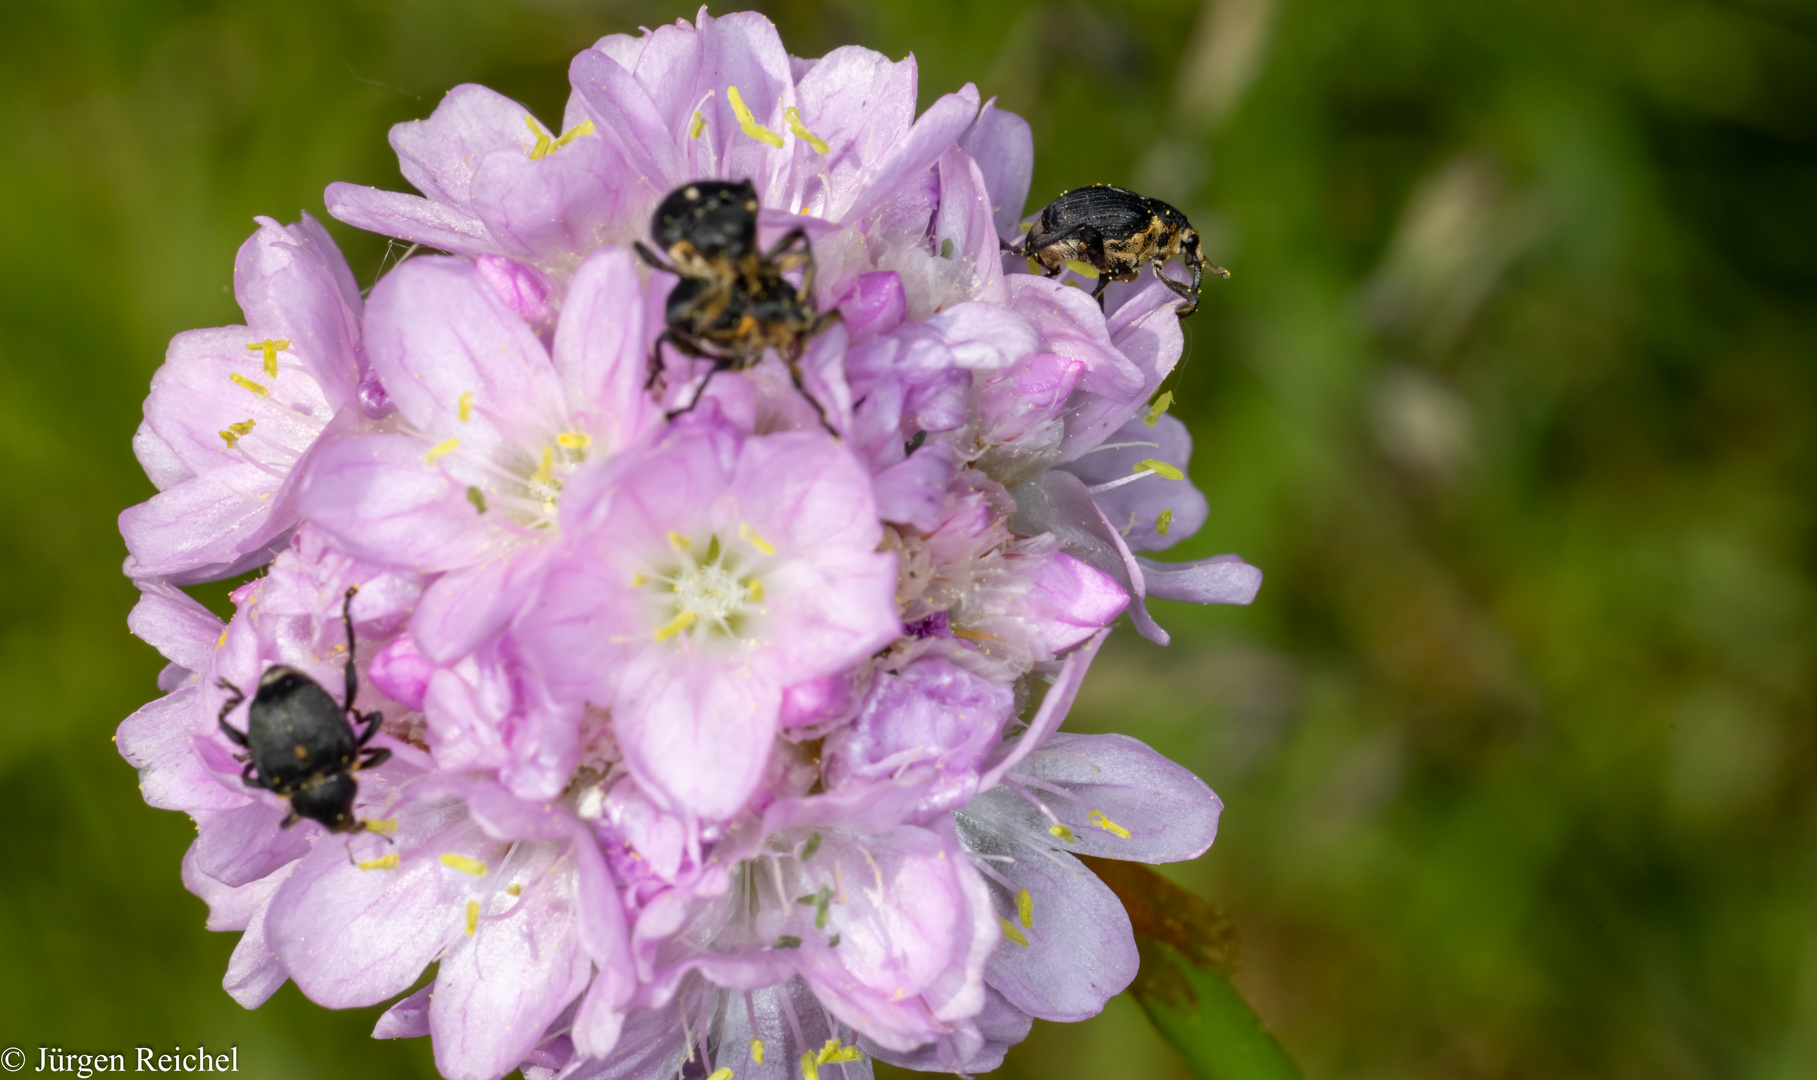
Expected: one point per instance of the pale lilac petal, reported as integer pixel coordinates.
(1070, 324)
(1070, 602)
(463, 608)
(230, 907)
(1146, 331)
(696, 738)
(382, 501)
(245, 843)
(294, 285)
(744, 50)
(254, 971)
(353, 937)
(913, 490)
(171, 621)
(1138, 504)
(158, 458)
(1004, 148)
(1081, 951)
(602, 350)
(1001, 1026)
(1047, 718)
(410, 217)
(1057, 502)
(408, 1019)
(208, 527)
(566, 202)
(963, 221)
(438, 155)
(523, 288)
(497, 990)
(1169, 814)
(934, 133)
(624, 112)
(401, 672)
(435, 331)
(157, 741)
(1221, 579)
(860, 104)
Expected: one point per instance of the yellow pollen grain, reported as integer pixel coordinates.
(700, 122)
(574, 440)
(1161, 469)
(442, 450)
(793, 116)
(472, 917)
(638, 580)
(270, 349)
(1164, 521)
(387, 826)
(231, 434)
(679, 542)
(755, 588)
(1062, 832)
(1159, 407)
(675, 626)
(383, 862)
(834, 1054)
(721, 1073)
(466, 406)
(1109, 826)
(545, 471)
(1011, 932)
(749, 536)
(748, 123)
(1025, 909)
(464, 864)
(243, 381)
(757, 1051)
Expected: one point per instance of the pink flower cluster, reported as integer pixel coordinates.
(722, 745)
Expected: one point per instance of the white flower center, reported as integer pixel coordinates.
(710, 593)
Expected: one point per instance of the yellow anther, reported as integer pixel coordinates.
(1011, 932)
(793, 116)
(1159, 407)
(1109, 826)
(464, 864)
(541, 148)
(472, 917)
(545, 472)
(514, 889)
(466, 406)
(834, 1054)
(749, 123)
(1161, 469)
(1025, 909)
(386, 826)
(700, 122)
(441, 450)
(222, 640)
(675, 626)
(809, 1070)
(1062, 832)
(270, 348)
(1082, 269)
(757, 1051)
(638, 581)
(574, 440)
(241, 380)
(679, 542)
(972, 635)
(749, 536)
(477, 498)
(585, 127)
(1164, 521)
(383, 862)
(721, 1073)
(231, 434)
(755, 588)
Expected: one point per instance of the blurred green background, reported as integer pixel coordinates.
(1511, 394)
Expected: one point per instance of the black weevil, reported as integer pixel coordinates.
(302, 744)
(732, 302)
(1114, 231)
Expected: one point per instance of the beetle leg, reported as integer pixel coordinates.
(353, 675)
(1180, 288)
(238, 737)
(788, 240)
(372, 720)
(1097, 294)
(289, 819)
(793, 360)
(373, 758)
(232, 704)
(652, 258)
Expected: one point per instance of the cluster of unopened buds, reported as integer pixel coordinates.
(674, 662)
